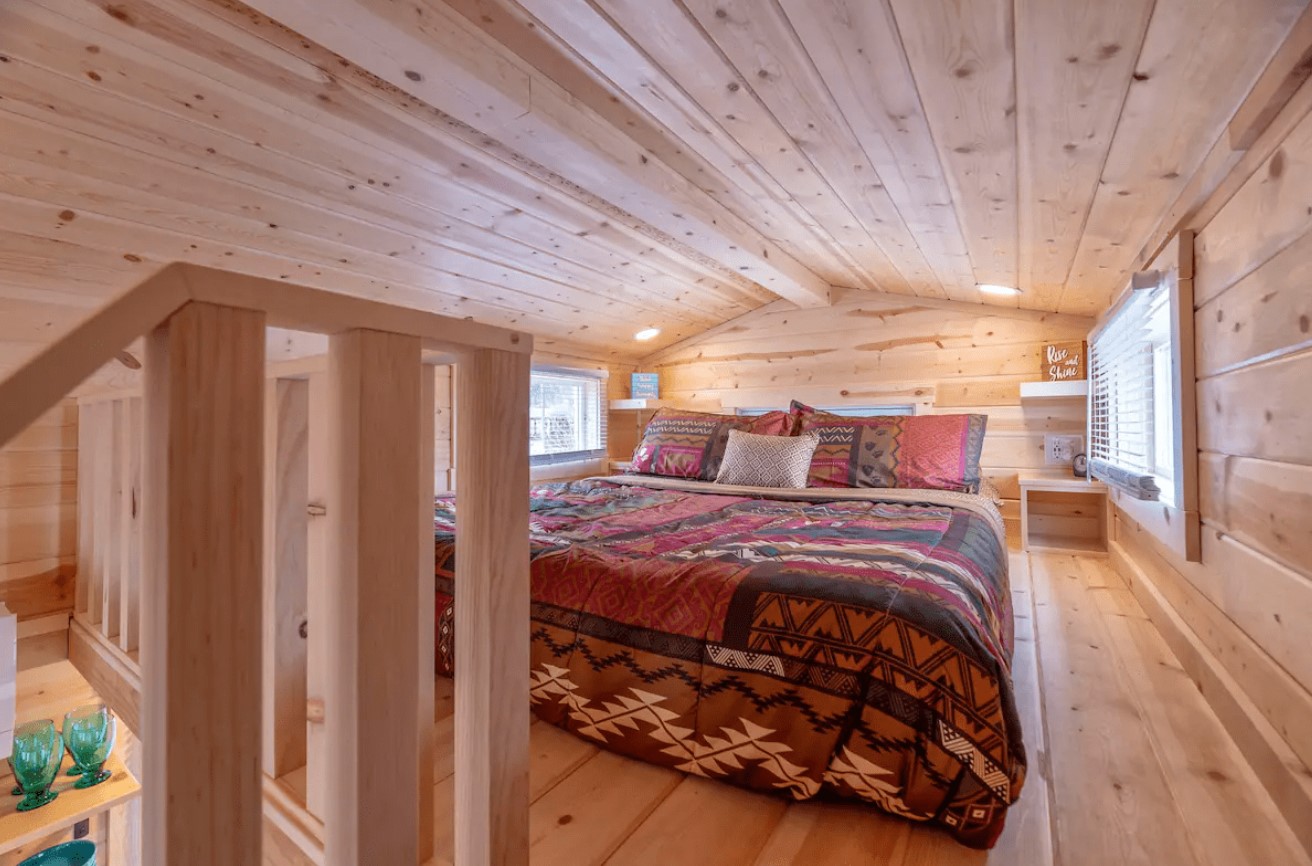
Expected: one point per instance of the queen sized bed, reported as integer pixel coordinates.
(816, 643)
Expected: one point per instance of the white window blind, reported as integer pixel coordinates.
(1130, 402)
(567, 416)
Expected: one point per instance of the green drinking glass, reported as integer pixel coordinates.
(38, 752)
(89, 733)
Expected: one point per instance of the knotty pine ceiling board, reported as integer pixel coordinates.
(584, 168)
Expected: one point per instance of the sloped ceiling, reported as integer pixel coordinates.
(582, 169)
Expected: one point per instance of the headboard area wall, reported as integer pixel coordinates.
(872, 349)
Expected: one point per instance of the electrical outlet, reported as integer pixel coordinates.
(1061, 450)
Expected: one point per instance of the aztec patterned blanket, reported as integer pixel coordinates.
(816, 643)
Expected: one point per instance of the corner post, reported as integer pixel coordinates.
(204, 405)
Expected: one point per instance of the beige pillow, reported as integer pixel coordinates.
(767, 461)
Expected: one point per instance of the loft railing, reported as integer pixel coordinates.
(242, 517)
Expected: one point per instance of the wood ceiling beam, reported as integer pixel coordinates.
(1286, 73)
(433, 53)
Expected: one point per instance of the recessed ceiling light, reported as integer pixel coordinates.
(647, 334)
(991, 289)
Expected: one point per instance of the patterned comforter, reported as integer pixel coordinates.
(815, 643)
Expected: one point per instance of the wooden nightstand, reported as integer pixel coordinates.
(1063, 513)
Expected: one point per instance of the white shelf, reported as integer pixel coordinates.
(638, 405)
(1054, 390)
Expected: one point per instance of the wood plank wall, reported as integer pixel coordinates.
(38, 515)
(1248, 604)
(878, 349)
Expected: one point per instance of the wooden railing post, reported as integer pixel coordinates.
(317, 554)
(286, 470)
(129, 524)
(203, 502)
(492, 609)
(371, 719)
(425, 606)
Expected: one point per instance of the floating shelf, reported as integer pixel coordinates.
(639, 405)
(1054, 390)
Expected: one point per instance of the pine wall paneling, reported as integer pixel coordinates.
(38, 515)
(1249, 602)
(877, 349)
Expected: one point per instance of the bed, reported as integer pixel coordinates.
(845, 644)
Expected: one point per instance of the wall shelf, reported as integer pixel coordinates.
(1054, 390)
(639, 405)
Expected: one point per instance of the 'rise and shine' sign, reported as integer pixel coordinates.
(1064, 362)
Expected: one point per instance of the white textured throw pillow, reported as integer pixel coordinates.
(767, 461)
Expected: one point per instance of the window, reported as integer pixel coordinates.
(1132, 436)
(567, 416)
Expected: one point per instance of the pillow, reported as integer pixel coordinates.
(938, 452)
(767, 461)
(682, 444)
(776, 423)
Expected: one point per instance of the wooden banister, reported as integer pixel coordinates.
(196, 571)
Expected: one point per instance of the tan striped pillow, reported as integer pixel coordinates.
(767, 461)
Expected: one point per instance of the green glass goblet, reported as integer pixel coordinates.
(89, 734)
(38, 752)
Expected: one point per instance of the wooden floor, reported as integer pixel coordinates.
(1127, 766)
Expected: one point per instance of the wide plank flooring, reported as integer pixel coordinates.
(1128, 766)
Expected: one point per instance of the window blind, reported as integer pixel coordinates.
(1123, 386)
(567, 416)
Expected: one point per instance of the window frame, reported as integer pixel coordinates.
(601, 377)
(1176, 524)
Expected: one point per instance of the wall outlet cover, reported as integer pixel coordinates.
(1061, 450)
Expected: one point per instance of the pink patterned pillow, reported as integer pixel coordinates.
(683, 444)
(939, 452)
(776, 423)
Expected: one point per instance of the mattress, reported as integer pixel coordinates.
(846, 644)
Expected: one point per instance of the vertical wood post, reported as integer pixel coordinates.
(86, 534)
(201, 600)
(112, 505)
(101, 418)
(492, 609)
(372, 704)
(130, 453)
(286, 470)
(425, 606)
(319, 642)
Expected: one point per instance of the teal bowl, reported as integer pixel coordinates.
(79, 853)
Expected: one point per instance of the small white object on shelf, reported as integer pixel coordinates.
(8, 679)
(1054, 390)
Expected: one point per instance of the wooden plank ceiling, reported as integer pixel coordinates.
(585, 168)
